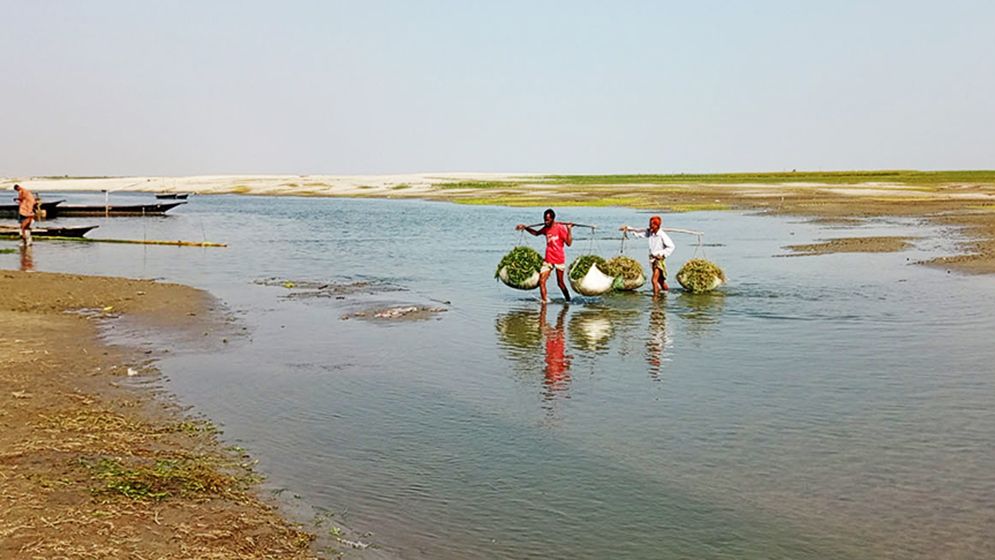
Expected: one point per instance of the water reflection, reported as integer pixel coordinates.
(526, 333)
(701, 312)
(519, 329)
(557, 361)
(593, 328)
(27, 258)
(658, 340)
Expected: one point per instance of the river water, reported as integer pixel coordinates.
(839, 406)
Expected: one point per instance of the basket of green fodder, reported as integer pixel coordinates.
(627, 271)
(587, 276)
(699, 275)
(519, 269)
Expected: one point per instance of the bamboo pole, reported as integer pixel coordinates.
(671, 230)
(570, 223)
(679, 230)
(132, 241)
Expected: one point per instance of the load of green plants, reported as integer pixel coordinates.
(520, 264)
(583, 263)
(627, 271)
(626, 267)
(700, 275)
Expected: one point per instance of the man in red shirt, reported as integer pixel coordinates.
(557, 235)
(26, 211)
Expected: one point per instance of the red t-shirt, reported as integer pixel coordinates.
(556, 235)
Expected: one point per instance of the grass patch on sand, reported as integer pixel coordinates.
(476, 185)
(515, 201)
(697, 207)
(908, 177)
(400, 187)
(6, 251)
(160, 478)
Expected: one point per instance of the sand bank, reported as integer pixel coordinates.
(91, 466)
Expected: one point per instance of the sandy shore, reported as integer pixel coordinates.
(91, 465)
(962, 199)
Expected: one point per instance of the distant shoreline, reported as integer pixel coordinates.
(963, 199)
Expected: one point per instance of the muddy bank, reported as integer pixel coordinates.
(92, 466)
(886, 244)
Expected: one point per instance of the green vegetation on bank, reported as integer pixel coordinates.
(907, 177)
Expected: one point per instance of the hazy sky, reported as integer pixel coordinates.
(196, 87)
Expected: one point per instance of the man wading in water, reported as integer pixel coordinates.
(661, 246)
(557, 235)
(26, 211)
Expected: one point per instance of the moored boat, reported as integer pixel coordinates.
(11, 210)
(172, 196)
(78, 231)
(113, 210)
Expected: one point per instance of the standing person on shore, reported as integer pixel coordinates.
(661, 246)
(26, 212)
(557, 235)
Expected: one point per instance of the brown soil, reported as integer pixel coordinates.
(851, 245)
(92, 467)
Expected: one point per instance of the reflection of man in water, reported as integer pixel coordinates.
(27, 260)
(557, 361)
(656, 339)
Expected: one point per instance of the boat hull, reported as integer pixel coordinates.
(93, 211)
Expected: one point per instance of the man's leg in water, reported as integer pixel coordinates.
(562, 284)
(543, 276)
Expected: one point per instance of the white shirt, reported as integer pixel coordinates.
(661, 245)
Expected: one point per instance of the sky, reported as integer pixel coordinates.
(373, 87)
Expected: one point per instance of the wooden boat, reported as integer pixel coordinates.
(79, 231)
(11, 210)
(172, 196)
(114, 210)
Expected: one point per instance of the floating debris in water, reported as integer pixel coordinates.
(306, 289)
(412, 312)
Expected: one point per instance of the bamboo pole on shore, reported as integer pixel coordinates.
(132, 241)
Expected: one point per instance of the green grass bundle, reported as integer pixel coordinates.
(587, 276)
(699, 276)
(627, 271)
(520, 268)
(583, 263)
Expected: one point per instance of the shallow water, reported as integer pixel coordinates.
(839, 406)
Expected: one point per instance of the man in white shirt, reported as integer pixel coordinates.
(661, 246)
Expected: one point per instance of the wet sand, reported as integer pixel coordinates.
(93, 465)
(850, 245)
(965, 200)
